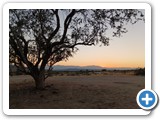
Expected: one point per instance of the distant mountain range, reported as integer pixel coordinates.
(78, 68)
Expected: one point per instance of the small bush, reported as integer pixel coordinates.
(140, 71)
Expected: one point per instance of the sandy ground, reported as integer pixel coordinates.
(76, 92)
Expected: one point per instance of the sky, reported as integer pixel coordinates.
(126, 51)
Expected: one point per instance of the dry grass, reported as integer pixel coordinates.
(76, 92)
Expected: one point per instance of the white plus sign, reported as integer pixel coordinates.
(147, 99)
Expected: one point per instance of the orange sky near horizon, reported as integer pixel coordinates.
(126, 51)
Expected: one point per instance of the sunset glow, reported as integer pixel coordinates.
(126, 51)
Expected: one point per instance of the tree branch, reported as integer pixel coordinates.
(17, 48)
(41, 24)
(58, 25)
(66, 23)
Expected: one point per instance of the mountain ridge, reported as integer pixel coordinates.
(89, 67)
(79, 68)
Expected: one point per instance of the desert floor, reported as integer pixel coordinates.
(76, 92)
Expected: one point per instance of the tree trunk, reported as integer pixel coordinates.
(40, 81)
(40, 84)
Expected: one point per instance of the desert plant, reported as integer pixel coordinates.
(140, 71)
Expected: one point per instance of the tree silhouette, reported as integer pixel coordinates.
(43, 37)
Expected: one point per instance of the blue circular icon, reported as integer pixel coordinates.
(147, 99)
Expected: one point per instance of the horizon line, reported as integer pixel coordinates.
(100, 66)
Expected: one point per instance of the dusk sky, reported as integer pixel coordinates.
(126, 51)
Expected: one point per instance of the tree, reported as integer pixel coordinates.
(42, 37)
